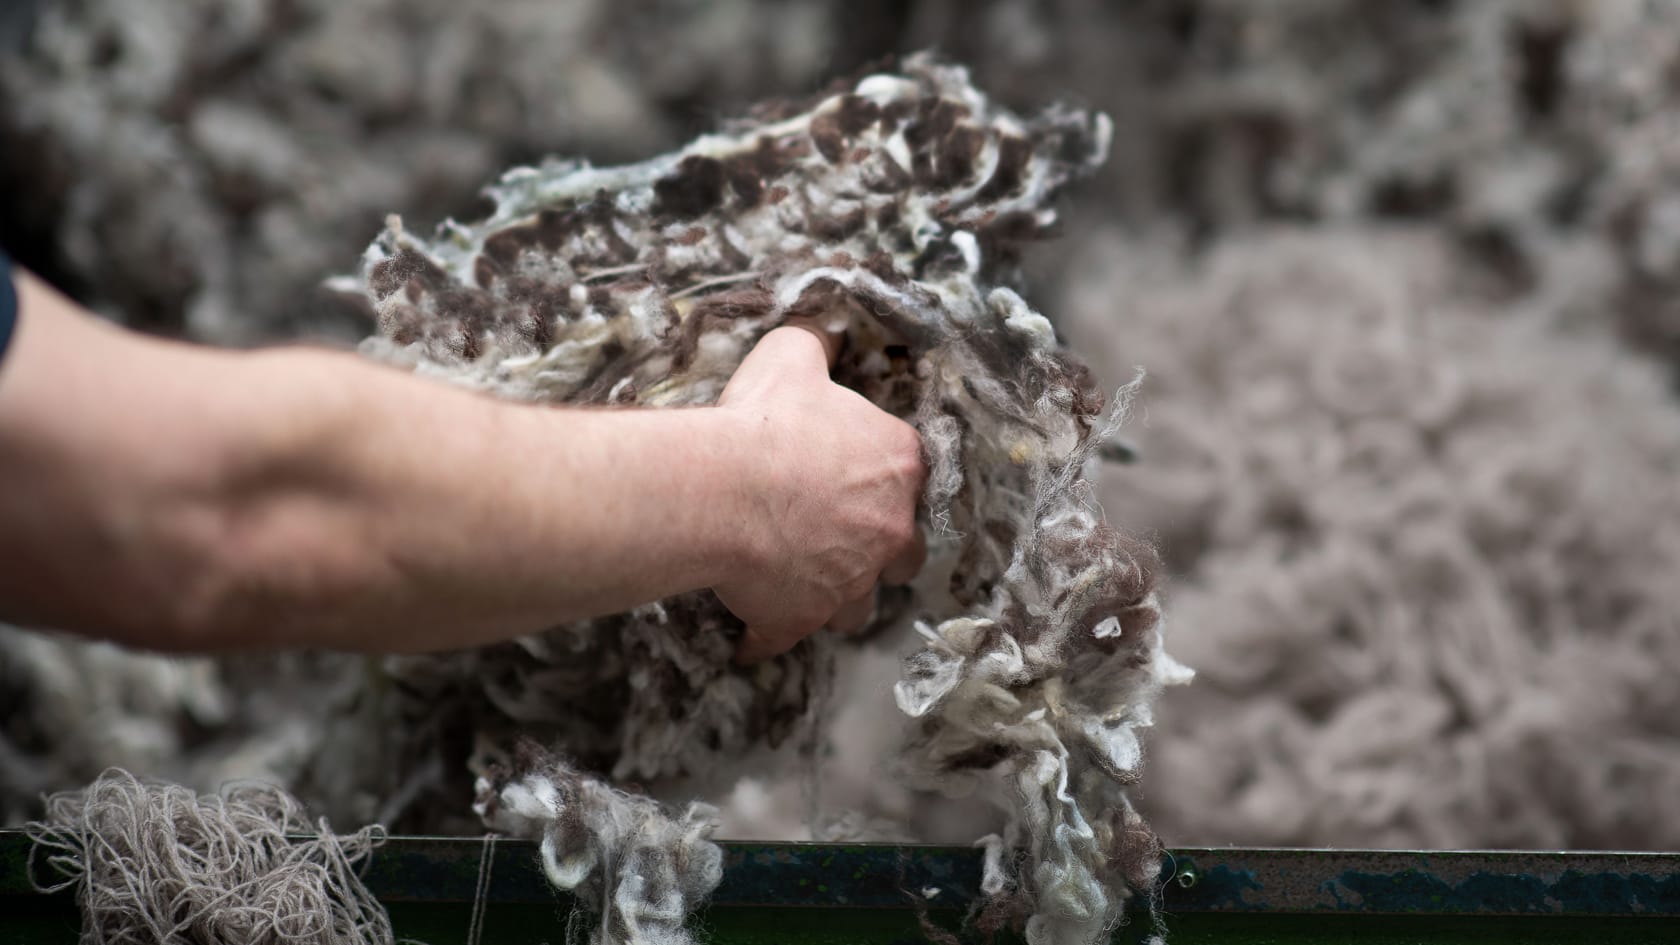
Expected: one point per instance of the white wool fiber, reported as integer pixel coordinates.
(638, 867)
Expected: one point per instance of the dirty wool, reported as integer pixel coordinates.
(893, 208)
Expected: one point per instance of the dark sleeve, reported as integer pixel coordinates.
(8, 304)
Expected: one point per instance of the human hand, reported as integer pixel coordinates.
(832, 503)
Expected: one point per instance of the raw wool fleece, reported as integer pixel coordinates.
(1539, 135)
(638, 867)
(894, 209)
(198, 166)
(157, 864)
(70, 709)
(1426, 544)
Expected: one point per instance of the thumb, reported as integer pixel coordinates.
(832, 341)
(793, 350)
(797, 349)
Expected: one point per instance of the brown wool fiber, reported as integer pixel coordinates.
(893, 208)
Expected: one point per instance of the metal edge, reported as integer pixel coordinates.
(1196, 880)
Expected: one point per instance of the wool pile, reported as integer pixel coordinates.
(197, 167)
(70, 709)
(1426, 544)
(1537, 135)
(893, 209)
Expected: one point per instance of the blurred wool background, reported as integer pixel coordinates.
(1405, 278)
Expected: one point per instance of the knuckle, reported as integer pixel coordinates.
(909, 442)
(857, 587)
(907, 454)
(911, 538)
(900, 534)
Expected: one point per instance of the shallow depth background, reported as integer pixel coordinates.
(1405, 277)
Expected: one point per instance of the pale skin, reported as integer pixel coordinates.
(187, 499)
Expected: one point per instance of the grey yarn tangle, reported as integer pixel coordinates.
(160, 864)
(894, 209)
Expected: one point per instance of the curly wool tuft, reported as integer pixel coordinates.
(894, 208)
(640, 869)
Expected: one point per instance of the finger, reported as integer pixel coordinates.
(796, 349)
(854, 615)
(832, 340)
(904, 568)
(760, 643)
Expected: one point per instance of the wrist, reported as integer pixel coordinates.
(736, 494)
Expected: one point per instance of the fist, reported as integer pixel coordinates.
(832, 506)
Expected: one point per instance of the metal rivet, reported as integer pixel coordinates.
(1187, 877)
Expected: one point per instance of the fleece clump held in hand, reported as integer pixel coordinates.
(893, 210)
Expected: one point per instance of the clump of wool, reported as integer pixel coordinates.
(894, 208)
(639, 867)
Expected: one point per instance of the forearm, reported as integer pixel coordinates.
(182, 498)
(474, 520)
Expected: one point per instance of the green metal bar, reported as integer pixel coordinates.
(850, 894)
(443, 870)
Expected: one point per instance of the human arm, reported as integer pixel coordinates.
(183, 498)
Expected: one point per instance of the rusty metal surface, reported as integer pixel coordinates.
(1235, 880)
